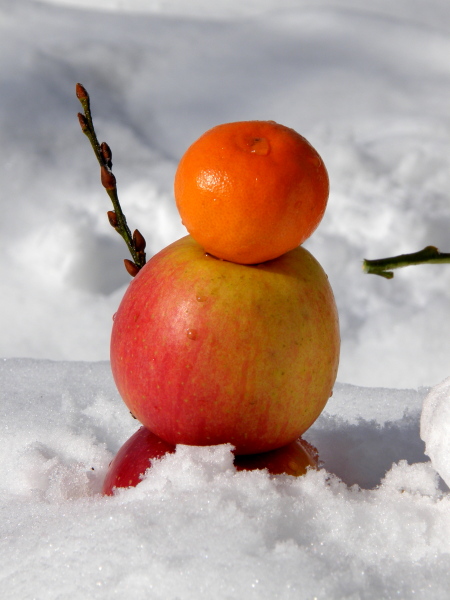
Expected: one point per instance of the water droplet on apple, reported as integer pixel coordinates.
(114, 316)
(201, 298)
(192, 334)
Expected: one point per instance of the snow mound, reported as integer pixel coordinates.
(373, 523)
(435, 428)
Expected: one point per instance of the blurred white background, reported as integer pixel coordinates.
(367, 84)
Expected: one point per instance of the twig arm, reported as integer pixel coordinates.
(136, 242)
(384, 266)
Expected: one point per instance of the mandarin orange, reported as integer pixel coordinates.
(250, 191)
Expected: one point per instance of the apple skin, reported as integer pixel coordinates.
(293, 459)
(205, 351)
(133, 459)
(135, 456)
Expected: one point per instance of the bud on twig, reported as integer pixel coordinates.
(83, 122)
(384, 266)
(81, 92)
(112, 218)
(108, 179)
(132, 269)
(138, 241)
(106, 153)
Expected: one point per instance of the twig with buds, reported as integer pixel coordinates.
(136, 242)
(384, 266)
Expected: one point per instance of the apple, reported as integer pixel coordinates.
(135, 457)
(293, 459)
(205, 351)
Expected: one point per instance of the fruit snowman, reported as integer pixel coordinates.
(230, 334)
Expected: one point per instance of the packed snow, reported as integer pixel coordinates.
(369, 86)
(434, 428)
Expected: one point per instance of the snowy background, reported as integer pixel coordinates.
(369, 85)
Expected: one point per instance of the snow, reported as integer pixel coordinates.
(369, 86)
(373, 523)
(434, 428)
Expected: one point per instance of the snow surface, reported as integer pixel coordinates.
(369, 85)
(374, 523)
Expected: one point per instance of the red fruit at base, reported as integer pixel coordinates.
(293, 459)
(136, 455)
(133, 459)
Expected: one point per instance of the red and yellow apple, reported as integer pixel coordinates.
(205, 351)
(136, 455)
